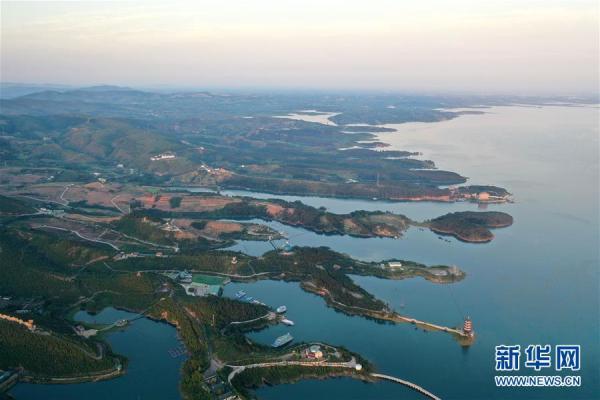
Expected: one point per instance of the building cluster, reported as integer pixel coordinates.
(125, 256)
(28, 324)
(80, 330)
(212, 171)
(198, 290)
(220, 389)
(184, 277)
(482, 197)
(450, 271)
(163, 156)
(169, 226)
(52, 212)
(313, 352)
(217, 172)
(395, 265)
(134, 254)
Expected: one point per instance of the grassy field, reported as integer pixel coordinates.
(208, 279)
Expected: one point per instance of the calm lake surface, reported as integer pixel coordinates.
(536, 283)
(151, 372)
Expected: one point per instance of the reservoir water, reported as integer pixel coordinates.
(536, 283)
(151, 372)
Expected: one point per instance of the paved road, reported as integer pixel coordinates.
(116, 205)
(406, 383)
(80, 235)
(239, 368)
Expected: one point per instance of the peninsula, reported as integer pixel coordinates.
(213, 213)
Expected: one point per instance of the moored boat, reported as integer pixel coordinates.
(283, 340)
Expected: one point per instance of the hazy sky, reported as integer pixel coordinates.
(521, 46)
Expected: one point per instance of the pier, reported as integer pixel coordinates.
(466, 338)
(400, 318)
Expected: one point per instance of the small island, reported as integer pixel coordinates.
(470, 226)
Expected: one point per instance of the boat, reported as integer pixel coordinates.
(249, 299)
(288, 322)
(240, 294)
(283, 340)
(281, 309)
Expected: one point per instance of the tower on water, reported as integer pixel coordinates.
(468, 326)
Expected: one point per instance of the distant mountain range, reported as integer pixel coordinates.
(10, 90)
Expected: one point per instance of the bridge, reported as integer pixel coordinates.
(407, 384)
(236, 369)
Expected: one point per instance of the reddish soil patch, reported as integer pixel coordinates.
(275, 209)
(188, 203)
(223, 226)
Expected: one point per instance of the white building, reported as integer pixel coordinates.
(163, 156)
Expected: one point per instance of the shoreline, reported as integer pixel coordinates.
(460, 237)
(389, 316)
(36, 380)
(189, 187)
